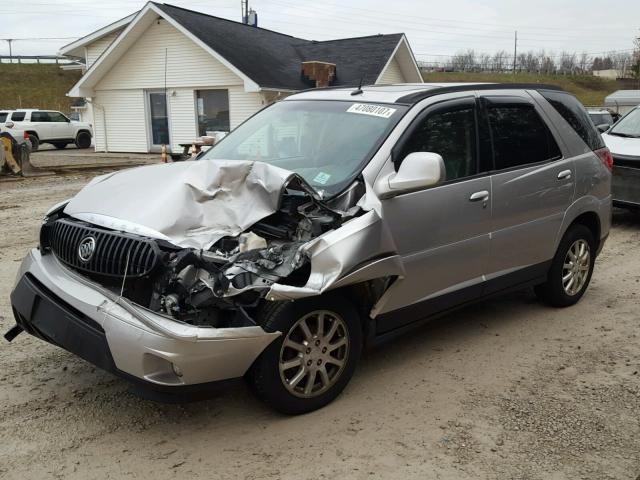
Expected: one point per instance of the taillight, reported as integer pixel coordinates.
(25, 135)
(606, 157)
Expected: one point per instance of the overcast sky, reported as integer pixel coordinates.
(434, 28)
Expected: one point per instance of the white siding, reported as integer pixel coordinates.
(124, 111)
(243, 104)
(392, 74)
(182, 117)
(95, 49)
(188, 65)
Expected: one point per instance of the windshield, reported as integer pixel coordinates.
(326, 142)
(628, 126)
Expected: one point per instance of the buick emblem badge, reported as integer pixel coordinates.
(86, 248)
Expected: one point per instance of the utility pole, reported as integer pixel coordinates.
(9, 40)
(515, 51)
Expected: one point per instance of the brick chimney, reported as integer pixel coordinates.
(318, 74)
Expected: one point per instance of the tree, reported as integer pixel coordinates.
(635, 67)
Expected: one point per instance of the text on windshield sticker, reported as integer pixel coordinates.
(375, 110)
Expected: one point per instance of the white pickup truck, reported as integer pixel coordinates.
(49, 126)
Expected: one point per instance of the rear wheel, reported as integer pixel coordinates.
(60, 145)
(571, 269)
(314, 358)
(83, 140)
(35, 142)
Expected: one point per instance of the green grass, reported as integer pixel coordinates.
(589, 89)
(36, 86)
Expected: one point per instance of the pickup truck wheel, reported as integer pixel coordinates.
(35, 142)
(83, 140)
(60, 145)
(571, 269)
(313, 360)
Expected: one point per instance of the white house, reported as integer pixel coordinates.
(166, 75)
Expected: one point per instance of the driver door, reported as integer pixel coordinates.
(442, 233)
(59, 125)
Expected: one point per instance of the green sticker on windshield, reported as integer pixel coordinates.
(322, 178)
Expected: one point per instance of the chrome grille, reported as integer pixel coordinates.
(111, 250)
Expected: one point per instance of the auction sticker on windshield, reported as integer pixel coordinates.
(375, 110)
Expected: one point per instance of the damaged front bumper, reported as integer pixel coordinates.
(57, 305)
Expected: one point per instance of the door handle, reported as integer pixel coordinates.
(564, 174)
(482, 195)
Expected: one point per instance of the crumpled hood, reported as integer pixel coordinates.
(622, 145)
(191, 204)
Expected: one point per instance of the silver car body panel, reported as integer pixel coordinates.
(147, 345)
(191, 204)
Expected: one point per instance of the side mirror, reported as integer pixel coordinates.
(417, 170)
(603, 127)
(9, 124)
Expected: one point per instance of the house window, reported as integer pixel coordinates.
(212, 108)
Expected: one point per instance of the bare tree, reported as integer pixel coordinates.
(500, 61)
(583, 62)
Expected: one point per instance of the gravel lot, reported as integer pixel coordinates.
(505, 389)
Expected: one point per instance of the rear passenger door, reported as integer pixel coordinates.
(40, 123)
(532, 185)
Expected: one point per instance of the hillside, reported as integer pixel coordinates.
(38, 86)
(590, 90)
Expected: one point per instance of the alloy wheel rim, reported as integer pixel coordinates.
(314, 353)
(575, 269)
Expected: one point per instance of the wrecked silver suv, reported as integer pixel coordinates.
(326, 222)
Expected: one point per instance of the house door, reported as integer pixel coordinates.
(157, 119)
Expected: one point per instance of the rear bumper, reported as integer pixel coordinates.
(56, 305)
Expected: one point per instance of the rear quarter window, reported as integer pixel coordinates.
(3, 116)
(18, 116)
(575, 115)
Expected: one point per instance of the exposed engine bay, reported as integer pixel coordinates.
(198, 286)
(218, 285)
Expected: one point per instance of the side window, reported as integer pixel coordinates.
(452, 135)
(575, 114)
(39, 117)
(520, 136)
(3, 116)
(56, 117)
(17, 116)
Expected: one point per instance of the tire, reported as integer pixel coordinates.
(83, 140)
(35, 142)
(60, 145)
(559, 292)
(310, 355)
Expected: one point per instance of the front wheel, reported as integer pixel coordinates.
(313, 360)
(571, 269)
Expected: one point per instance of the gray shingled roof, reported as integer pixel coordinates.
(273, 60)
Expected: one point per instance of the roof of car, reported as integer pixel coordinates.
(408, 93)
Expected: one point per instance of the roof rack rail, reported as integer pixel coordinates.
(418, 96)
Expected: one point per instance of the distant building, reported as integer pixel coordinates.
(166, 75)
(610, 73)
(623, 101)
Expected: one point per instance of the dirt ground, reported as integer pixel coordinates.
(506, 389)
